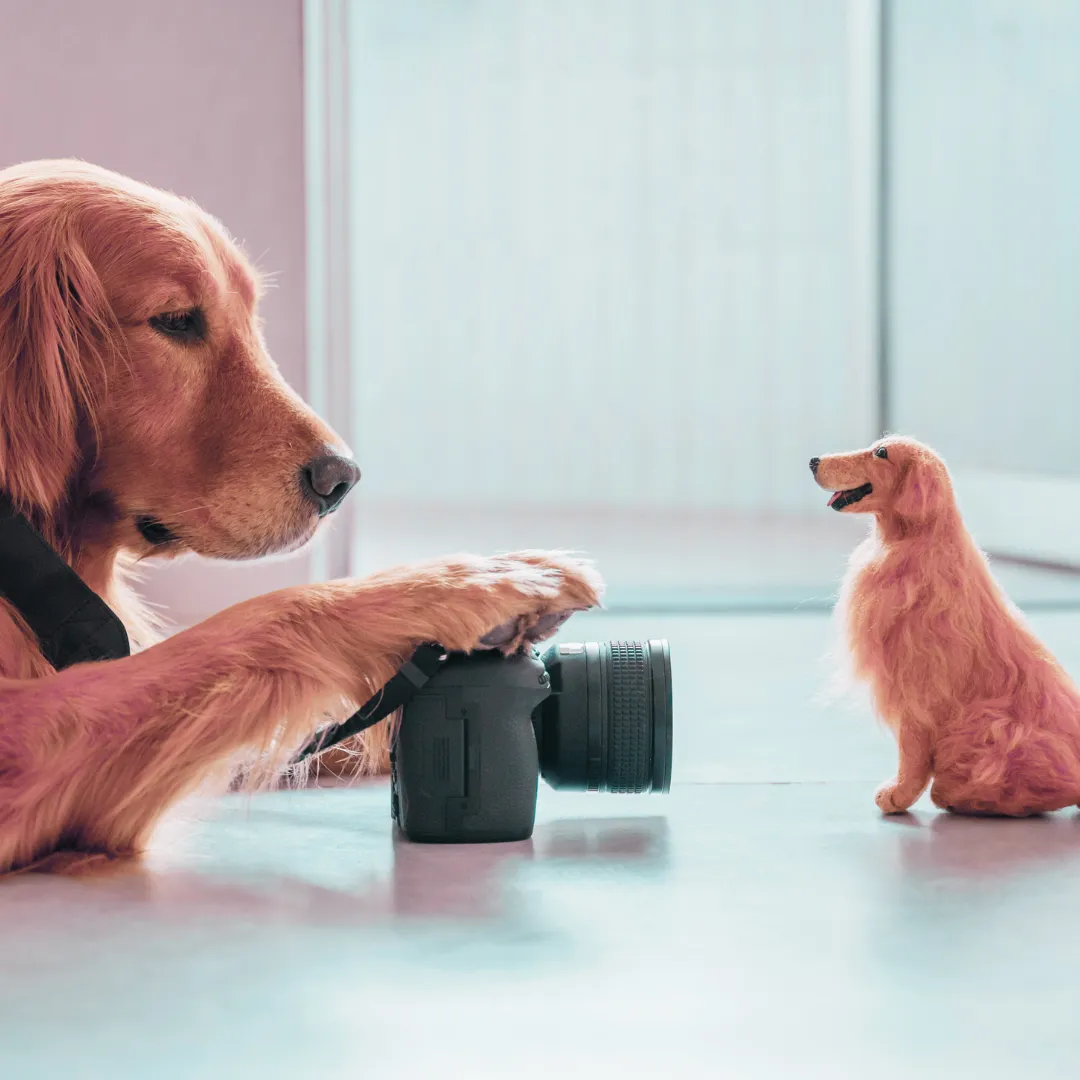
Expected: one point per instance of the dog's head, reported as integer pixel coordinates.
(134, 382)
(897, 478)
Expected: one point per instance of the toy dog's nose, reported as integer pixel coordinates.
(814, 463)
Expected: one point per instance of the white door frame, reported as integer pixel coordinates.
(329, 367)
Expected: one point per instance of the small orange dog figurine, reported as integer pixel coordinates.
(975, 700)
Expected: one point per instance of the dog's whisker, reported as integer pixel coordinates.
(190, 510)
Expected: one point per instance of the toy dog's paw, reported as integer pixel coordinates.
(888, 801)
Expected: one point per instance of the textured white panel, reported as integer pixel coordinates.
(986, 230)
(604, 251)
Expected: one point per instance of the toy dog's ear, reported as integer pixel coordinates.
(922, 490)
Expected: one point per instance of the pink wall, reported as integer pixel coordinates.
(204, 98)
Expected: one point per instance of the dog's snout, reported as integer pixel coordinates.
(814, 463)
(327, 480)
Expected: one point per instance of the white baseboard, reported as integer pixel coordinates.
(1024, 515)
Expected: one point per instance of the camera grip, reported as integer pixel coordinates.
(464, 766)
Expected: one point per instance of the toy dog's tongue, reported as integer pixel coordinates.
(832, 498)
(843, 499)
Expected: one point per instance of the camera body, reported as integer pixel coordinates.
(472, 743)
(464, 764)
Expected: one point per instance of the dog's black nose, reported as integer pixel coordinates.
(327, 480)
(814, 463)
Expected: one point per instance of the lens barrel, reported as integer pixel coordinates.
(607, 724)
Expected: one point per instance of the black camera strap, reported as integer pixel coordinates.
(72, 623)
(399, 691)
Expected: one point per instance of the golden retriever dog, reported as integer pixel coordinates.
(978, 704)
(140, 415)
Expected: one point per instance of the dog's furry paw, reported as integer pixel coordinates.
(504, 602)
(887, 801)
(562, 583)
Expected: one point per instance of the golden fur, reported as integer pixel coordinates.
(977, 703)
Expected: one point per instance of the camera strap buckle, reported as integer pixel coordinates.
(416, 675)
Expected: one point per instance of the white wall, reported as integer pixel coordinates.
(608, 251)
(986, 259)
(986, 231)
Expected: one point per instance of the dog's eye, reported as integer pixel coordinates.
(881, 452)
(181, 325)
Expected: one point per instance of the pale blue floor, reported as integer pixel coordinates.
(761, 921)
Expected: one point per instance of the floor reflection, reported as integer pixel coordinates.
(463, 882)
(473, 880)
(948, 846)
(634, 838)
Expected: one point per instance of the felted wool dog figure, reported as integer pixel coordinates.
(977, 703)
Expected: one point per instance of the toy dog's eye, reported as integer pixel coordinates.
(881, 452)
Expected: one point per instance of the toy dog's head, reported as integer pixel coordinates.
(896, 478)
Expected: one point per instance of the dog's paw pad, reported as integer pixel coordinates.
(524, 630)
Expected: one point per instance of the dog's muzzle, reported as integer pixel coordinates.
(847, 498)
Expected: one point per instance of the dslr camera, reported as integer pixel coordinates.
(477, 731)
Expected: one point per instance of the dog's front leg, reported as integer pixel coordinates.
(912, 776)
(91, 757)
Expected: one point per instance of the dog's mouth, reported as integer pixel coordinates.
(840, 499)
(155, 532)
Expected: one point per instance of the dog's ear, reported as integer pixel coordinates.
(55, 327)
(923, 489)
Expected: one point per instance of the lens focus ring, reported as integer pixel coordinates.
(629, 758)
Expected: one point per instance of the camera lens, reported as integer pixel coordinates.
(607, 724)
